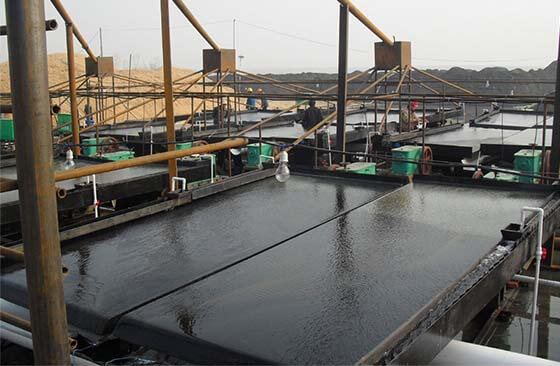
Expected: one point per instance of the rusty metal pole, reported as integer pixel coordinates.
(64, 14)
(72, 85)
(168, 85)
(190, 16)
(555, 150)
(365, 21)
(35, 171)
(342, 82)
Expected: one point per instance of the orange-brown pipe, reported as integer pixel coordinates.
(142, 160)
(190, 16)
(147, 159)
(365, 21)
(26, 325)
(64, 14)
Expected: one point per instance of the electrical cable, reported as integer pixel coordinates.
(296, 36)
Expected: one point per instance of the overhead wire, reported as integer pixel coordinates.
(293, 36)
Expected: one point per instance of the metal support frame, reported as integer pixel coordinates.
(30, 100)
(50, 25)
(539, 212)
(187, 13)
(555, 151)
(72, 87)
(168, 85)
(342, 81)
(365, 21)
(64, 14)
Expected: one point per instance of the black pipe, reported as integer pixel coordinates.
(555, 152)
(342, 81)
(50, 25)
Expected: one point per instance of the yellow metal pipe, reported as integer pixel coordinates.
(333, 114)
(264, 121)
(202, 102)
(189, 86)
(26, 325)
(443, 81)
(190, 16)
(12, 254)
(264, 78)
(7, 184)
(365, 21)
(398, 91)
(147, 159)
(64, 14)
(18, 256)
(168, 87)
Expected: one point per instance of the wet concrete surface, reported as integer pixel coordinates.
(332, 294)
(517, 120)
(114, 271)
(287, 132)
(469, 136)
(511, 329)
(160, 128)
(529, 137)
(475, 136)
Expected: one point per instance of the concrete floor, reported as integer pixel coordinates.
(512, 327)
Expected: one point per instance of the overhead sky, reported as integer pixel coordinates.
(302, 35)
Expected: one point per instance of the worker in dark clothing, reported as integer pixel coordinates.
(264, 101)
(219, 115)
(312, 116)
(88, 111)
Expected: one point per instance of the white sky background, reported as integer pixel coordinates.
(444, 33)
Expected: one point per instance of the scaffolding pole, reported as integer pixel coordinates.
(72, 88)
(168, 85)
(555, 151)
(342, 82)
(35, 171)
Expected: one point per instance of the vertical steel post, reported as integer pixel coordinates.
(342, 81)
(168, 85)
(235, 99)
(555, 151)
(114, 101)
(204, 101)
(35, 170)
(73, 92)
(543, 151)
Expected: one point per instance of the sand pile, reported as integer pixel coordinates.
(58, 73)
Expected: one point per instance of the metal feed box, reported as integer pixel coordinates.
(410, 153)
(221, 60)
(7, 129)
(529, 162)
(387, 57)
(359, 168)
(103, 67)
(253, 155)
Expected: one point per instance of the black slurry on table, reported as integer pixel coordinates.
(332, 294)
(116, 270)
